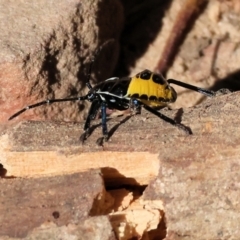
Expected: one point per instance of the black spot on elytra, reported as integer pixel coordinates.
(158, 79)
(161, 99)
(135, 95)
(144, 97)
(138, 75)
(152, 98)
(146, 74)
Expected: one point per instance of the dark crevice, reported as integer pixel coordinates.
(115, 182)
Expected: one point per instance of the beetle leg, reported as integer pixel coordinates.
(203, 91)
(91, 116)
(167, 119)
(105, 136)
(104, 120)
(135, 106)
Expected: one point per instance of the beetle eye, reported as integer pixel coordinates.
(90, 96)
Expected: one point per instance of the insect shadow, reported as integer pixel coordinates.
(100, 141)
(3, 171)
(178, 118)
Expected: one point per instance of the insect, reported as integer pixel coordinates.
(146, 89)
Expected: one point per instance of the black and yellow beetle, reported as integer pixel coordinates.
(146, 89)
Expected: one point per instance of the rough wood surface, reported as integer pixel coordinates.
(196, 176)
(93, 228)
(44, 148)
(26, 204)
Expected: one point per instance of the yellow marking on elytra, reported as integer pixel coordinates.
(150, 88)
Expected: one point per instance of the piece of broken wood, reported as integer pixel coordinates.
(28, 204)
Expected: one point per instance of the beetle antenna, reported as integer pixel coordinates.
(49, 101)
